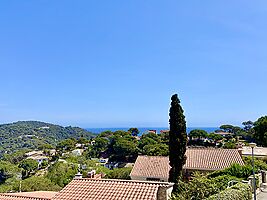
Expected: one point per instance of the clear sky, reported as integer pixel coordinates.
(117, 63)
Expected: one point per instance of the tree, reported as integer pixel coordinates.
(197, 133)
(230, 128)
(124, 149)
(8, 170)
(120, 173)
(260, 128)
(247, 125)
(134, 131)
(156, 150)
(178, 140)
(68, 144)
(28, 166)
(38, 184)
(62, 173)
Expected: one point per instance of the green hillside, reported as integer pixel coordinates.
(35, 134)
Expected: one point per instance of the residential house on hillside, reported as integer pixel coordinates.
(100, 189)
(156, 168)
(34, 153)
(39, 159)
(106, 189)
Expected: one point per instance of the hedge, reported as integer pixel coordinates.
(240, 191)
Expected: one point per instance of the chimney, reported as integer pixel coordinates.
(240, 151)
(78, 175)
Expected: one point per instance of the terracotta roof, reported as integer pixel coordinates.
(208, 159)
(151, 166)
(38, 195)
(109, 189)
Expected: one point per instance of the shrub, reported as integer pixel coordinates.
(201, 187)
(239, 171)
(239, 191)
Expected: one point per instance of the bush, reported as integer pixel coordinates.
(239, 171)
(120, 173)
(239, 191)
(201, 187)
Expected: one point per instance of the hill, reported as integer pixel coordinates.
(35, 134)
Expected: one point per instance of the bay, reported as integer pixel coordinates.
(146, 129)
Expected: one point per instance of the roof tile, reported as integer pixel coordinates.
(207, 159)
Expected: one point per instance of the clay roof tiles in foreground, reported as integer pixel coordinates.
(109, 189)
(38, 195)
(206, 159)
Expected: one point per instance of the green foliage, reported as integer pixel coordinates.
(123, 148)
(197, 133)
(229, 145)
(38, 184)
(215, 137)
(156, 150)
(15, 157)
(62, 173)
(239, 171)
(28, 166)
(248, 125)
(240, 191)
(230, 128)
(66, 145)
(44, 164)
(134, 131)
(260, 128)
(178, 140)
(201, 187)
(119, 173)
(8, 170)
(258, 163)
(33, 135)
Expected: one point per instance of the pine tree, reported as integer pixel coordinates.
(178, 140)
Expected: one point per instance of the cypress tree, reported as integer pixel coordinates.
(178, 140)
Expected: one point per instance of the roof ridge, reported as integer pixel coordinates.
(127, 181)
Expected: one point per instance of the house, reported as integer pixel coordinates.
(77, 152)
(100, 189)
(156, 168)
(39, 159)
(34, 153)
(259, 152)
(37, 195)
(106, 189)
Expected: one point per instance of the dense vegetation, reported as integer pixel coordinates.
(122, 146)
(35, 135)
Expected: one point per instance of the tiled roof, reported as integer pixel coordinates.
(109, 189)
(38, 195)
(151, 166)
(209, 159)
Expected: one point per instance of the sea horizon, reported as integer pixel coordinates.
(146, 129)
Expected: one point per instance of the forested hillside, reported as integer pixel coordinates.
(35, 134)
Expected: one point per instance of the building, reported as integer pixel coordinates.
(34, 153)
(100, 189)
(77, 152)
(107, 189)
(38, 195)
(156, 168)
(259, 152)
(39, 159)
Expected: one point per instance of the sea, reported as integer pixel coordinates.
(143, 130)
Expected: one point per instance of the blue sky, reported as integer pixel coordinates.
(117, 63)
